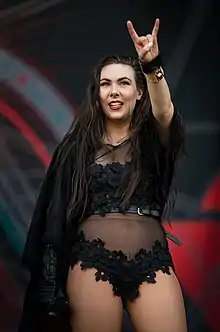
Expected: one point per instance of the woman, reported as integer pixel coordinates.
(96, 244)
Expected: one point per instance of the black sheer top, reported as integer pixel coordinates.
(122, 230)
(110, 172)
(125, 231)
(50, 240)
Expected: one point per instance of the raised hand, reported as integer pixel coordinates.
(146, 46)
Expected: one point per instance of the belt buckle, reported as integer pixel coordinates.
(139, 211)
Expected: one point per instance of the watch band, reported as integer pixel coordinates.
(156, 76)
(150, 67)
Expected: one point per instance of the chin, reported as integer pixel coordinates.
(117, 116)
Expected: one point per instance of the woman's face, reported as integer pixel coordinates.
(118, 92)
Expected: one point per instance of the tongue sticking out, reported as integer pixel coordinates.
(115, 106)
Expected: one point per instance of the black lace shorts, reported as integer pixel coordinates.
(123, 274)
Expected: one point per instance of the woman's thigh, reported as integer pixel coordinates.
(93, 305)
(159, 307)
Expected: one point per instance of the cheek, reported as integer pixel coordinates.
(130, 93)
(132, 98)
(103, 96)
(131, 102)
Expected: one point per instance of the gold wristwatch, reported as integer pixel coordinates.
(156, 75)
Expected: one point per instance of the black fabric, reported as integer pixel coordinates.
(112, 168)
(35, 317)
(127, 232)
(105, 193)
(33, 246)
(124, 274)
(43, 256)
(50, 210)
(49, 227)
(149, 67)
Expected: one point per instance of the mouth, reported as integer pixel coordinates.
(115, 105)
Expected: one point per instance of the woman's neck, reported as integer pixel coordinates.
(116, 132)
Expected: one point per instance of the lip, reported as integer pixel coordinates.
(115, 107)
(116, 101)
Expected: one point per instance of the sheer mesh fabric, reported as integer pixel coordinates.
(128, 232)
(114, 153)
(47, 245)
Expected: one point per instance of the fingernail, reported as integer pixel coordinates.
(150, 44)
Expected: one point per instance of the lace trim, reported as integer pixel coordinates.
(104, 189)
(125, 275)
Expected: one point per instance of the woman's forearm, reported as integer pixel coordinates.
(160, 97)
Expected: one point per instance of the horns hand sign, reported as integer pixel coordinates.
(146, 46)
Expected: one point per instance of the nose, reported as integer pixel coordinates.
(114, 94)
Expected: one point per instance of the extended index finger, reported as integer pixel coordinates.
(132, 32)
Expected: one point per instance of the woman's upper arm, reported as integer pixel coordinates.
(172, 136)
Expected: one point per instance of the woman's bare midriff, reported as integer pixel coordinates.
(127, 232)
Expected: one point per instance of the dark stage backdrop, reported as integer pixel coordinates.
(45, 60)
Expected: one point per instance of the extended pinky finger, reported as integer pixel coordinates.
(156, 28)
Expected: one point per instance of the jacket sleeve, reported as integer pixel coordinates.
(40, 254)
(33, 247)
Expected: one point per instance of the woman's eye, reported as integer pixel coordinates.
(124, 83)
(108, 83)
(104, 83)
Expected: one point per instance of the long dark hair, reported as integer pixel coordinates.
(85, 136)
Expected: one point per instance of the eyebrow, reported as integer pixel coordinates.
(120, 79)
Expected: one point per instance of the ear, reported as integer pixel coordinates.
(139, 94)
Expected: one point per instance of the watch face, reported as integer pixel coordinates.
(159, 74)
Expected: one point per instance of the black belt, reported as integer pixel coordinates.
(146, 212)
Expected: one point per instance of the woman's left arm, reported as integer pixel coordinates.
(162, 106)
(148, 53)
